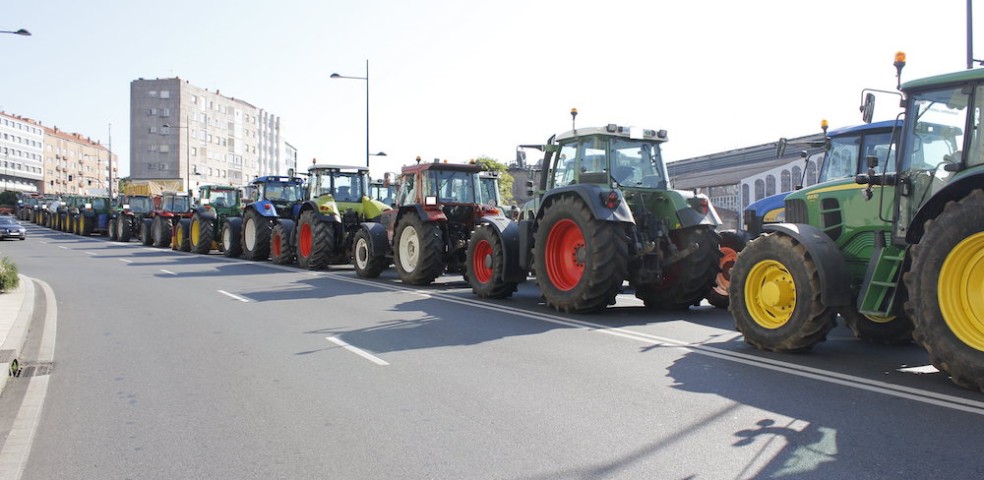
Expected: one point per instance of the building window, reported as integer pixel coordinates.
(165, 148)
(152, 93)
(165, 94)
(786, 184)
(759, 189)
(770, 185)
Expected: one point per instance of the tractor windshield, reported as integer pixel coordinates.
(451, 186)
(283, 192)
(847, 155)
(489, 190)
(223, 198)
(177, 204)
(637, 163)
(140, 204)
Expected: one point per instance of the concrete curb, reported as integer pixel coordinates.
(16, 310)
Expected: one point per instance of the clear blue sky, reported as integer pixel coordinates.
(460, 79)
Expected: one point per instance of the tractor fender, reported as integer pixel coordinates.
(206, 213)
(334, 217)
(835, 287)
(289, 226)
(508, 232)
(592, 195)
(427, 215)
(235, 222)
(378, 241)
(264, 208)
(934, 206)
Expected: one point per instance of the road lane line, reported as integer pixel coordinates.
(171, 273)
(828, 376)
(237, 297)
(125, 260)
(90, 253)
(63, 247)
(362, 353)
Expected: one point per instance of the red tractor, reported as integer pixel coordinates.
(426, 233)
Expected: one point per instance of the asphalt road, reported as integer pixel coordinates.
(173, 365)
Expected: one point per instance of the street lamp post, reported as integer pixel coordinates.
(366, 78)
(22, 32)
(187, 127)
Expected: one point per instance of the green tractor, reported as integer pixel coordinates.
(93, 216)
(217, 205)
(926, 263)
(127, 218)
(322, 232)
(604, 213)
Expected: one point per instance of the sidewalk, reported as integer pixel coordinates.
(16, 309)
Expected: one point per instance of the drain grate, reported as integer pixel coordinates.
(28, 370)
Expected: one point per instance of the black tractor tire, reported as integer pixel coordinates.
(281, 247)
(485, 265)
(944, 302)
(366, 264)
(687, 281)
(775, 296)
(182, 236)
(731, 244)
(87, 225)
(124, 229)
(418, 251)
(256, 236)
(111, 230)
(580, 261)
(315, 241)
(201, 234)
(895, 330)
(161, 231)
(231, 245)
(147, 231)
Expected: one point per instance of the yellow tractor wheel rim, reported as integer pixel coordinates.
(959, 290)
(878, 319)
(196, 232)
(770, 294)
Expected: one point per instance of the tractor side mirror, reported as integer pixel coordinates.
(868, 107)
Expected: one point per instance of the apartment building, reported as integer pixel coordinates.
(181, 132)
(77, 165)
(21, 154)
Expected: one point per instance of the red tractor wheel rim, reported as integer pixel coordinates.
(728, 256)
(304, 240)
(275, 245)
(564, 255)
(482, 262)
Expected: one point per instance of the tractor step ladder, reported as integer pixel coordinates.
(878, 293)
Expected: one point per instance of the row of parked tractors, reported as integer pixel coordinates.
(890, 241)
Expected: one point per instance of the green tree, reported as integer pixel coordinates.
(505, 179)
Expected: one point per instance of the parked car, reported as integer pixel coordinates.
(10, 228)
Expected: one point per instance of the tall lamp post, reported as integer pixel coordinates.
(21, 32)
(366, 78)
(187, 127)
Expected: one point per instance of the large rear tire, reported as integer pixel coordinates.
(202, 233)
(731, 244)
(775, 296)
(315, 241)
(687, 281)
(231, 245)
(256, 236)
(944, 286)
(418, 253)
(896, 330)
(281, 246)
(147, 231)
(580, 261)
(124, 229)
(485, 264)
(366, 264)
(111, 231)
(182, 236)
(87, 225)
(162, 231)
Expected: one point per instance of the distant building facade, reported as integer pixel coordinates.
(76, 165)
(182, 132)
(736, 178)
(21, 154)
